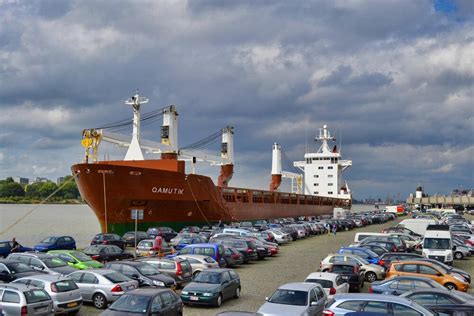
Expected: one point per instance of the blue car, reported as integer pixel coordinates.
(215, 251)
(56, 243)
(401, 284)
(6, 248)
(189, 241)
(365, 253)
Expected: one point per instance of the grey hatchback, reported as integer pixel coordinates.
(20, 299)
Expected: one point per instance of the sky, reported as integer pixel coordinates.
(392, 79)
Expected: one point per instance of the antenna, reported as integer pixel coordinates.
(340, 141)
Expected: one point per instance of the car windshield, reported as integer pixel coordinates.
(92, 250)
(53, 262)
(19, 267)
(289, 297)
(131, 304)
(116, 277)
(324, 283)
(371, 253)
(147, 269)
(436, 243)
(146, 244)
(342, 269)
(208, 277)
(65, 286)
(37, 295)
(49, 240)
(81, 256)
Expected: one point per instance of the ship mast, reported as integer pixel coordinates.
(134, 151)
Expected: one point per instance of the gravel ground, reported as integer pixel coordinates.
(294, 262)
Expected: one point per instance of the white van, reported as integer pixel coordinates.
(236, 231)
(417, 225)
(438, 243)
(361, 236)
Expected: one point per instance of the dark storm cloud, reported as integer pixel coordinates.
(391, 75)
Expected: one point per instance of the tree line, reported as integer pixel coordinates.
(11, 191)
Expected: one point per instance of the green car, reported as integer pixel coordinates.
(76, 259)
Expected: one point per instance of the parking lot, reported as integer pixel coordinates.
(294, 262)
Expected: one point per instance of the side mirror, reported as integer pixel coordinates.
(454, 247)
(314, 303)
(266, 298)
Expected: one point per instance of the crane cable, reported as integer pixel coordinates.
(35, 208)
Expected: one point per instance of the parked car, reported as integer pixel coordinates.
(108, 239)
(401, 284)
(11, 270)
(189, 241)
(442, 301)
(367, 254)
(103, 286)
(56, 243)
(373, 304)
(247, 248)
(215, 251)
(375, 248)
(7, 246)
(372, 272)
(450, 269)
(147, 302)
(390, 246)
(146, 274)
(332, 283)
(20, 299)
(104, 253)
(212, 287)
(153, 247)
(199, 262)
(43, 262)
(76, 259)
(178, 268)
(295, 299)
(129, 237)
(166, 232)
(388, 257)
(232, 257)
(64, 292)
(452, 281)
(350, 272)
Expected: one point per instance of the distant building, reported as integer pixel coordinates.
(60, 180)
(40, 179)
(20, 180)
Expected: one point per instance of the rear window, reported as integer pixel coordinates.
(326, 284)
(209, 260)
(116, 277)
(185, 265)
(36, 295)
(342, 269)
(167, 265)
(65, 285)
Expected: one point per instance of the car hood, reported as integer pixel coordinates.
(27, 274)
(63, 270)
(42, 246)
(202, 287)
(117, 313)
(281, 309)
(92, 263)
(160, 277)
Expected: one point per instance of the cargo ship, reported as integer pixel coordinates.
(164, 194)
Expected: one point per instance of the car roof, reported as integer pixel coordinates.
(322, 275)
(202, 245)
(45, 277)
(221, 270)
(39, 255)
(432, 290)
(299, 286)
(152, 291)
(184, 256)
(407, 277)
(372, 297)
(412, 262)
(17, 286)
(97, 271)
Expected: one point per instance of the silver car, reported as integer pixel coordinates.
(20, 299)
(306, 299)
(200, 262)
(343, 304)
(102, 286)
(372, 272)
(64, 292)
(42, 262)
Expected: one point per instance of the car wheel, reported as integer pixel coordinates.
(219, 300)
(99, 301)
(195, 273)
(237, 293)
(370, 277)
(450, 286)
(458, 255)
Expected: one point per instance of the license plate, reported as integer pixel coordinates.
(194, 298)
(345, 277)
(72, 304)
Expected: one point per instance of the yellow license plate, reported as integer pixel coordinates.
(72, 304)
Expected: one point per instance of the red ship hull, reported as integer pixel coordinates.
(169, 197)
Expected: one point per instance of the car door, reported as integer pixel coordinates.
(68, 259)
(321, 300)
(169, 308)
(38, 264)
(312, 307)
(342, 286)
(88, 285)
(226, 285)
(429, 272)
(5, 273)
(10, 302)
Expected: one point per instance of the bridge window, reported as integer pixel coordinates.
(329, 192)
(316, 184)
(330, 167)
(330, 175)
(320, 168)
(330, 184)
(316, 176)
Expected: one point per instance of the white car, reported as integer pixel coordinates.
(332, 283)
(280, 237)
(200, 262)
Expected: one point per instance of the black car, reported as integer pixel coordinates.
(129, 237)
(166, 232)
(232, 257)
(390, 246)
(146, 274)
(351, 273)
(162, 302)
(11, 270)
(105, 253)
(108, 239)
(246, 248)
(442, 301)
(397, 256)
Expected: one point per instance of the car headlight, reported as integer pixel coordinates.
(158, 283)
(449, 257)
(207, 294)
(184, 292)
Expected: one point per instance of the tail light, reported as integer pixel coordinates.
(179, 269)
(249, 250)
(327, 312)
(371, 291)
(54, 288)
(332, 291)
(394, 249)
(24, 311)
(117, 288)
(105, 242)
(381, 262)
(235, 256)
(95, 257)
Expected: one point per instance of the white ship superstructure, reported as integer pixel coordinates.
(323, 169)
